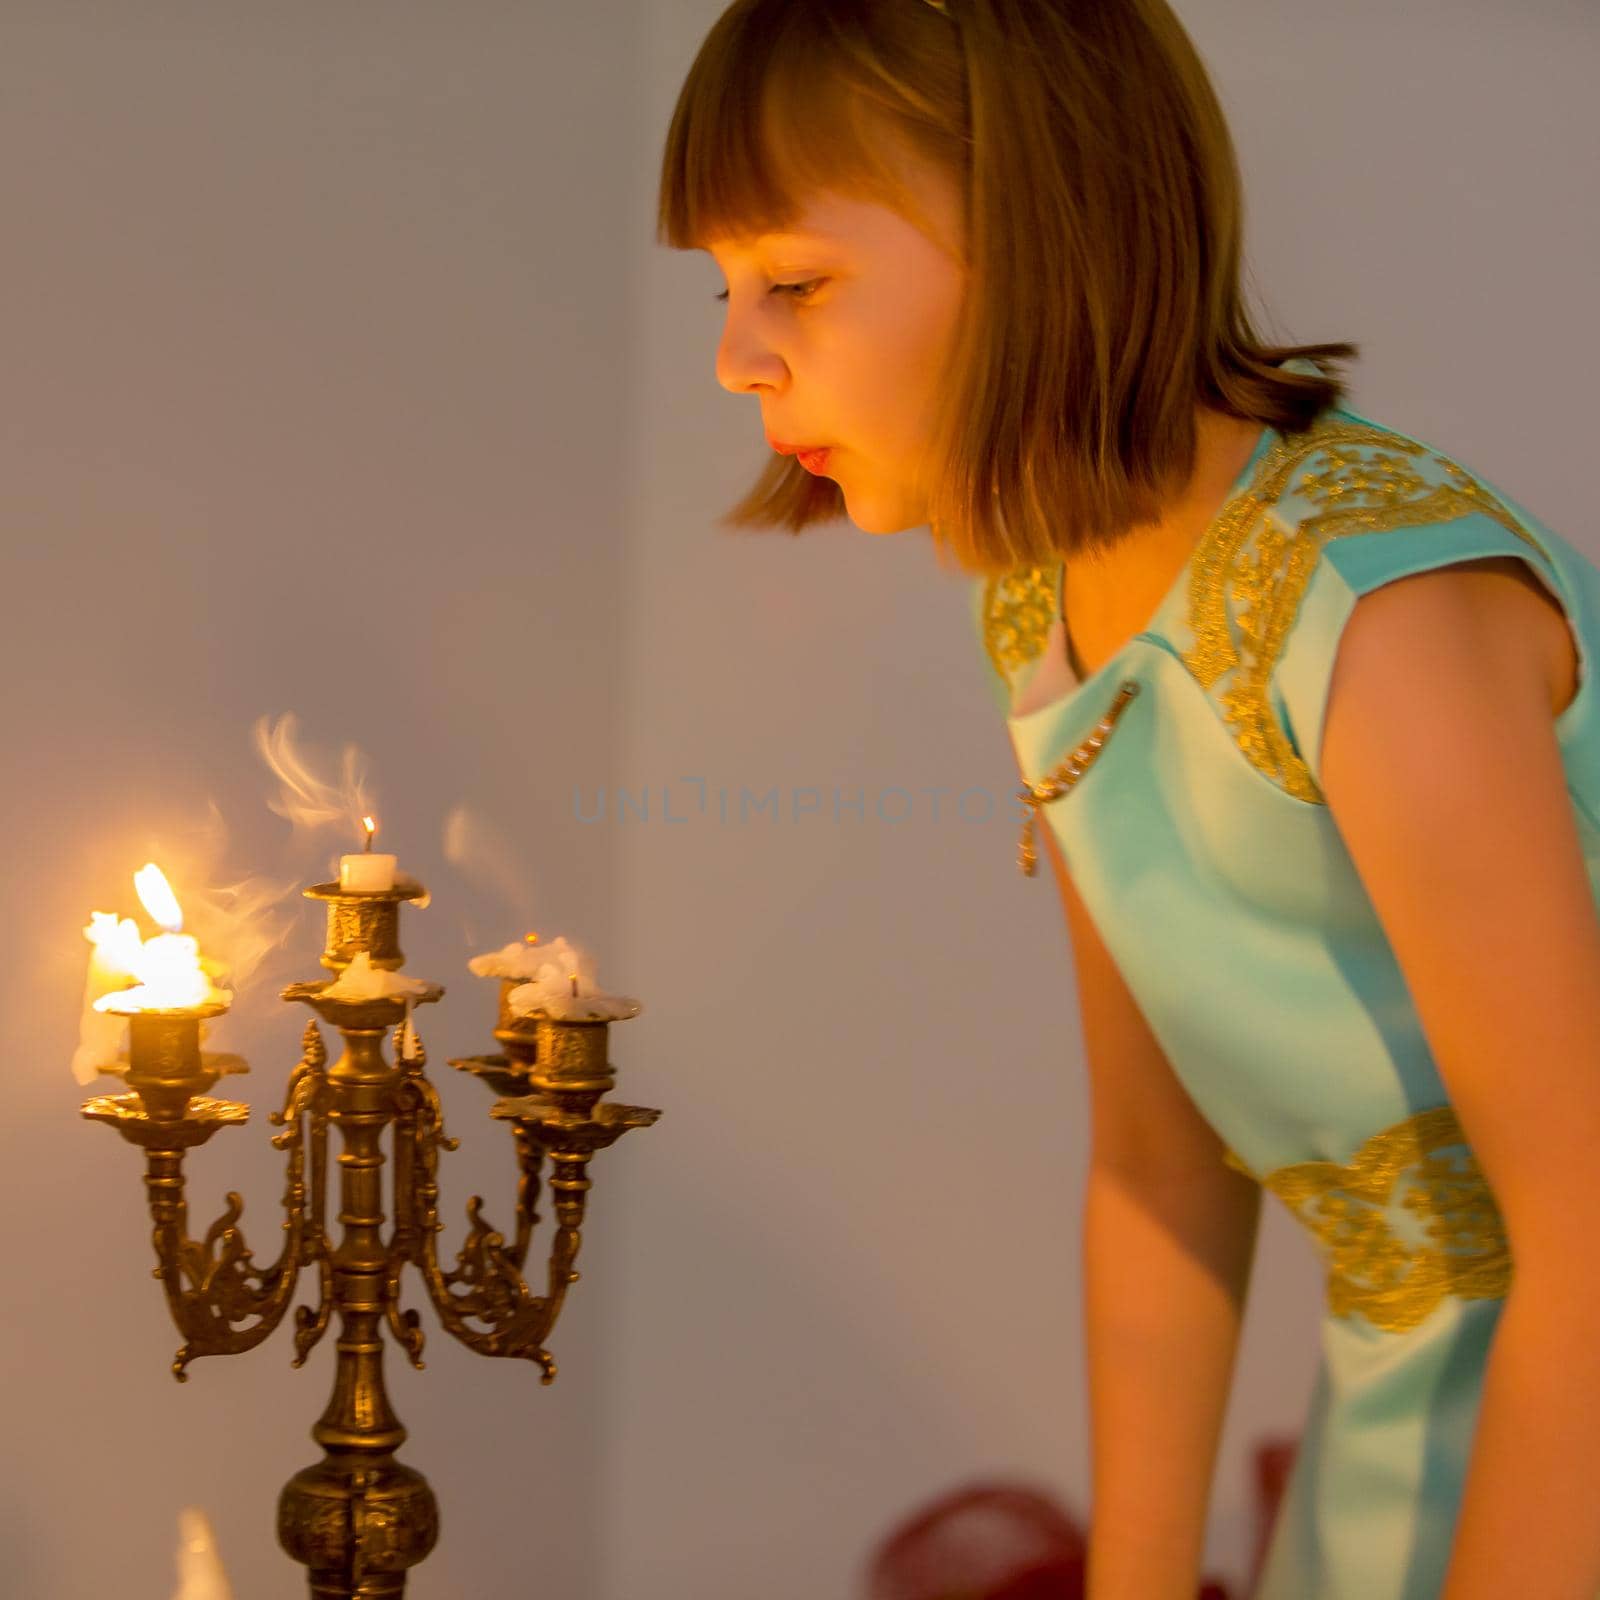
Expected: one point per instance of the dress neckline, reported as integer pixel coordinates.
(1055, 660)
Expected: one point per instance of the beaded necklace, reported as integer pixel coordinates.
(1065, 774)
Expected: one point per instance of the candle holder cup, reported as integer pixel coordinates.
(358, 1519)
(169, 1074)
(365, 919)
(510, 1071)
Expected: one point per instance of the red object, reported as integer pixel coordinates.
(983, 1542)
(1273, 1463)
(990, 1541)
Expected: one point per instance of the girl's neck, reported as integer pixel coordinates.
(1107, 598)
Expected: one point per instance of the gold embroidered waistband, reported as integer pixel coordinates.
(1394, 1281)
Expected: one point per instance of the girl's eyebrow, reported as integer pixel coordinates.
(762, 240)
(813, 236)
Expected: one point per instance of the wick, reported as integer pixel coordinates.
(372, 827)
(574, 985)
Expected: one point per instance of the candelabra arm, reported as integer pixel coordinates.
(212, 1284)
(568, 1184)
(485, 1286)
(416, 1107)
(567, 1121)
(308, 1101)
(221, 1301)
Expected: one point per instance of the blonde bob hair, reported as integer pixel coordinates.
(1104, 222)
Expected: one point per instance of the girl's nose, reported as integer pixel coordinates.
(745, 360)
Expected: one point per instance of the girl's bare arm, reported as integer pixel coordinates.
(1445, 775)
(1169, 1236)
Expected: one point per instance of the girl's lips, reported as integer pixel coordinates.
(814, 460)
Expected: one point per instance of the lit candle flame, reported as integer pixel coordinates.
(371, 825)
(532, 938)
(156, 895)
(167, 970)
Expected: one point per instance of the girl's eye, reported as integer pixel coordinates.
(798, 291)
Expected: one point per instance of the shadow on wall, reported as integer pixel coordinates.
(997, 1541)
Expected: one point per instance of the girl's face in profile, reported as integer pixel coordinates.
(842, 330)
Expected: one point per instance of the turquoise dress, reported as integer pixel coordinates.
(1187, 805)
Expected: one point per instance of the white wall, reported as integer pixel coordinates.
(315, 342)
(846, 1278)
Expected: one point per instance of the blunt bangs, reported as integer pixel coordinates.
(1104, 233)
(783, 101)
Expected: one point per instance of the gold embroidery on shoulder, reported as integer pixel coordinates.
(1392, 1281)
(1251, 572)
(1018, 609)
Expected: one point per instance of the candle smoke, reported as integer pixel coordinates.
(481, 853)
(488, 861)
(238, 921)
(307, 796)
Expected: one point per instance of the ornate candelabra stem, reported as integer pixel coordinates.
(359, 1519)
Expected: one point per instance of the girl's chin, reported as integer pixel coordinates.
(876, 509)
(881, 518)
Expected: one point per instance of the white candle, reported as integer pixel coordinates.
(367, 871)
(114, 950)
(200, 1574)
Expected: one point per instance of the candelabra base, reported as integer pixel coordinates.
(358, 1524)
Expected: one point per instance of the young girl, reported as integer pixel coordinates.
(1303, 713)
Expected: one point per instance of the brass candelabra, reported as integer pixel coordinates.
(359, 1519)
